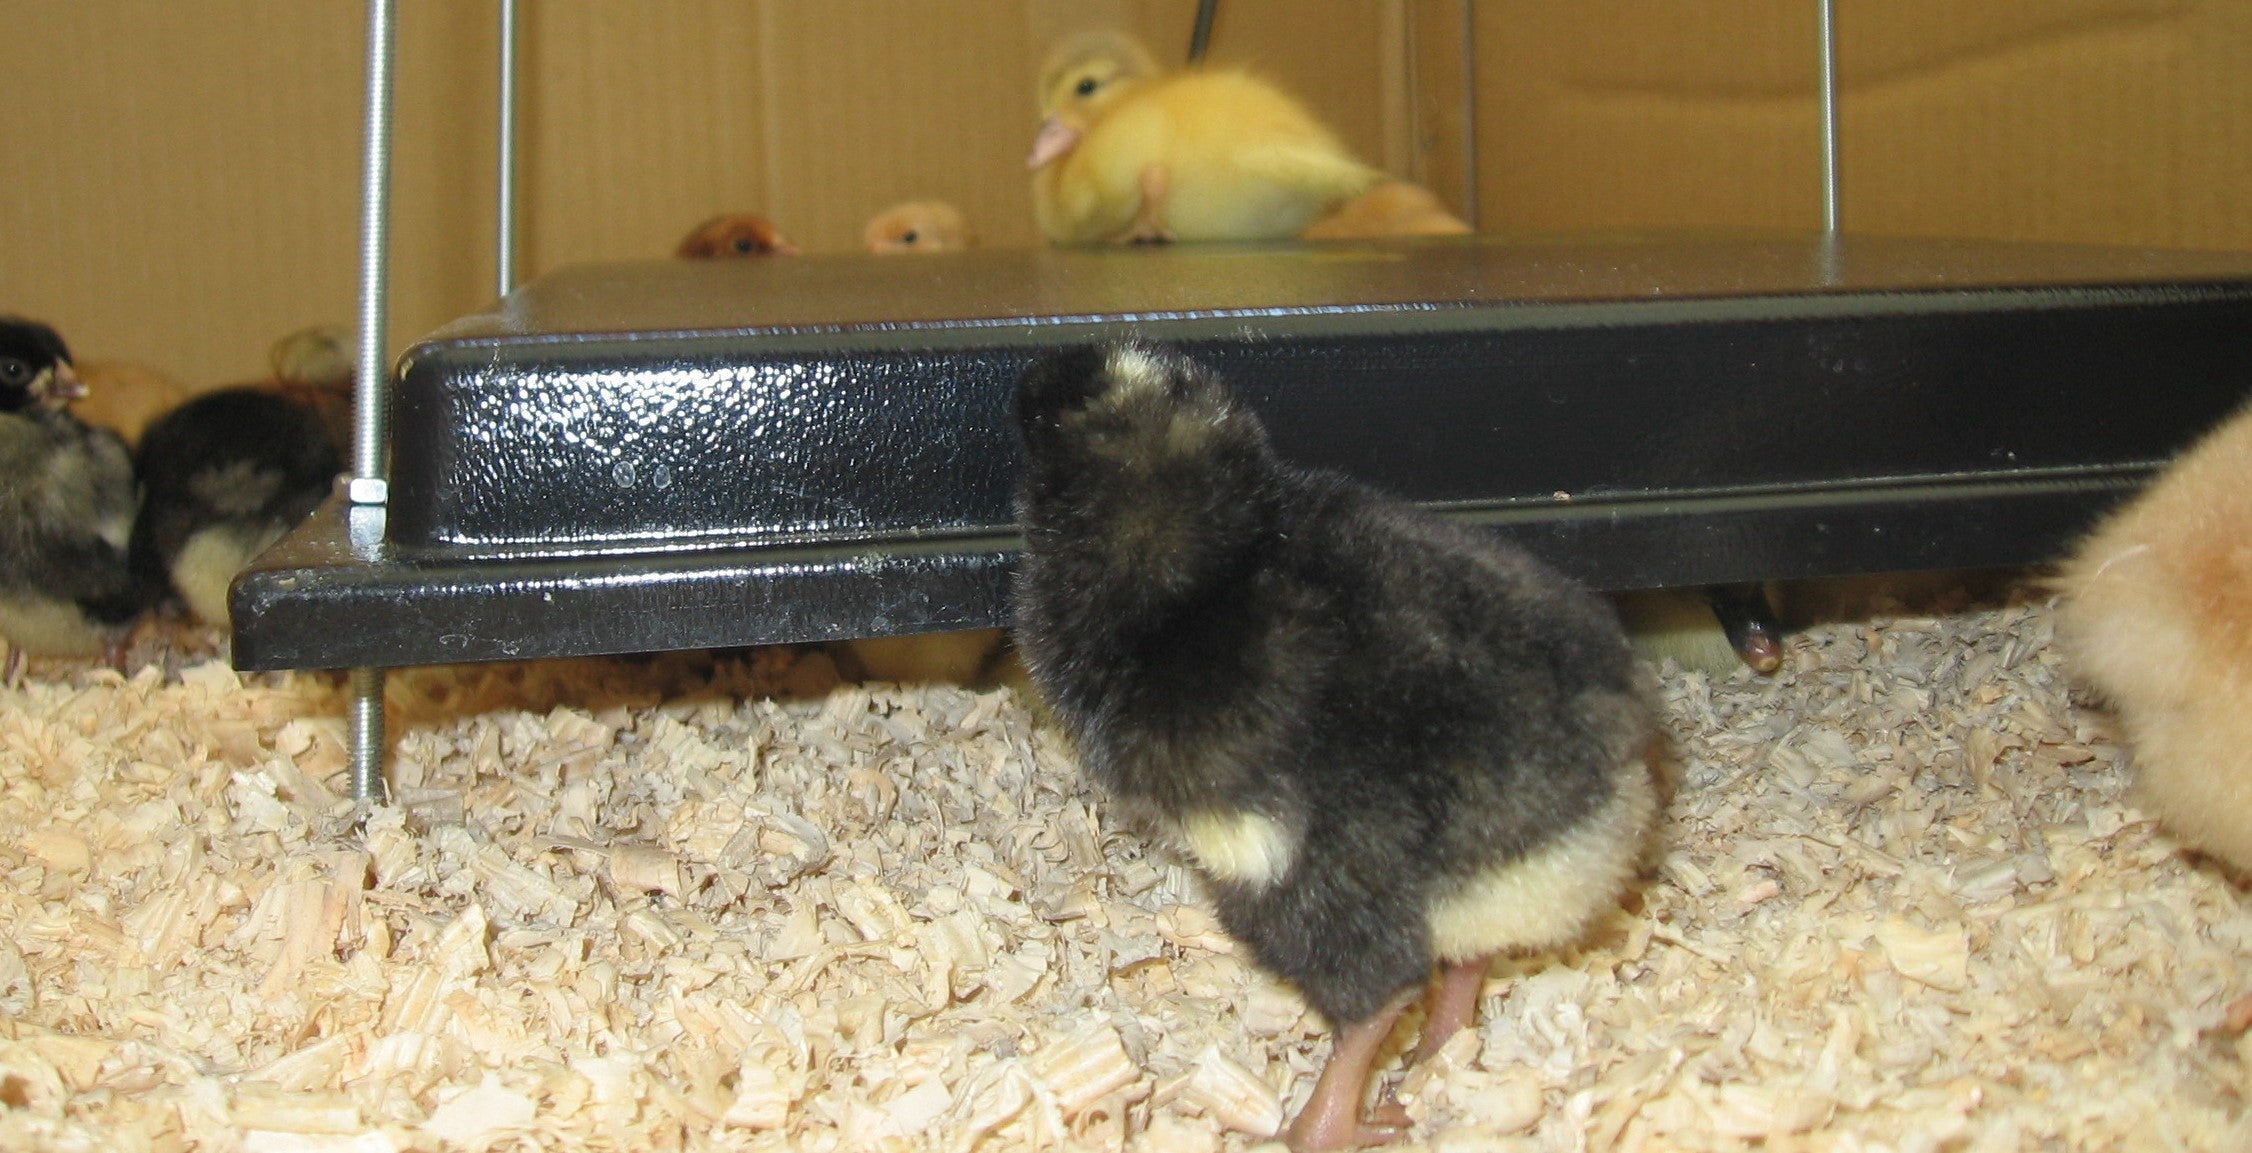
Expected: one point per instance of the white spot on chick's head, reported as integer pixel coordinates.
(1134, 370)
(1156, 411)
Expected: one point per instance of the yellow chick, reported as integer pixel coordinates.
(918, 226)
(1125, 154)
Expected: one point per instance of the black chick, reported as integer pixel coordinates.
(226, 475)
(66, 506)
(1390, 744)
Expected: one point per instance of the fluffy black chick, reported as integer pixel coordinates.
(1391, 745)
(66, 506)
(226, 475)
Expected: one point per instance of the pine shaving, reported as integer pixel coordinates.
(688, 902)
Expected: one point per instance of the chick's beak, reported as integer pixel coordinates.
(62, 385)
(1055, 139)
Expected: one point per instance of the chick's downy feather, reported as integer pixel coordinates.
(1204, 154)
(227, 474)
(2156, 615)
(918, 226)
(1390, 743)
(734, 234)
(67, 501)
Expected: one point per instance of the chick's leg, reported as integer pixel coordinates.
(1452, 1006)
(1332, 1116)
(1148, 226)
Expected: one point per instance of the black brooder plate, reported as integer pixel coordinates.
(668, 455)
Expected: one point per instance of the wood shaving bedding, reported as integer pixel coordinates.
(697, 902)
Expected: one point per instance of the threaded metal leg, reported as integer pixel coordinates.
(371, 393)
(364, 722)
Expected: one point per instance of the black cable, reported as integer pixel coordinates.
(1201, 39)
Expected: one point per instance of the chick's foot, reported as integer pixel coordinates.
(1332, 1116)
(1148, 226)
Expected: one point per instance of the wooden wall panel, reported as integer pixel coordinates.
(1646, 113)
(179, 175)
(2123, 121)
(185, 177)
(1440, 66)
(444, 163)
(2102, 121)
(877, 102)
(639, 122)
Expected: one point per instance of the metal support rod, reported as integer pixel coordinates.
(368, 490)
(371, 383)
(1829, 116)
(364, 724)
(1200, 37)
(1470, 113)
(507, 146)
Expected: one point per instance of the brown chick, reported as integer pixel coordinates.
(2156, 615)
(918, 226)
(1393, 208)
(734, 234)
(1125, 154)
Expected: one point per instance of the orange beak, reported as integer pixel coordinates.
(1055, 139)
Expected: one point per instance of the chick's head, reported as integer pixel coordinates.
(1130, 410)
(733, 235)
(1084, 74)
(35, 368)
(1081, 79)
(918, 226)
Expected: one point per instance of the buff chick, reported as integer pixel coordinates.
(919, 226)
(2156, 616)
(1126, 154)
(1392, 208)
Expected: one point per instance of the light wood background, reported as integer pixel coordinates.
(183, 177)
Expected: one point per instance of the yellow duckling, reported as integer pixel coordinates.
(1126, 154)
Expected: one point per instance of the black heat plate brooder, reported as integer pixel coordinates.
(677, 455)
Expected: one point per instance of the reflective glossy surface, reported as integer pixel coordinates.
(1610, 368)
(694, 454)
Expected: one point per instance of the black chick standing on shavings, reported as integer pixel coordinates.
(67, 499)
(226, 475)
(1391, 746)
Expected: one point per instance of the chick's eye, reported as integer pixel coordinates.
(1086, 87)
(745, 244)
(14, 371)
(908, 238)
